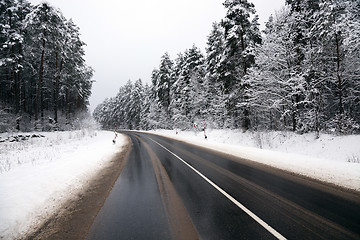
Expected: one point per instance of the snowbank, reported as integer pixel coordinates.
(39, 174)
(333, 159)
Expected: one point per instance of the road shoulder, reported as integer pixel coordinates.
(77, 215)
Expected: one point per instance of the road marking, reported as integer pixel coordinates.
(242, 207)
(180, 223)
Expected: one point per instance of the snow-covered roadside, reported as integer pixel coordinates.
(333, 159)
(39, 174)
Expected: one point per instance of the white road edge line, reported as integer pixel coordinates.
(242, 207)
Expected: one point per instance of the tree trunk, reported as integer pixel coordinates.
(295, 111)
(246, 120)
(56, 87)
(242, 51)
(294, 122)
(38, 104)
(23, 96)
(19, 85)
(67, 104)
(14, 83)
(338, 74)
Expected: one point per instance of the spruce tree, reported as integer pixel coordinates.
(216, 111)
(241, 36)
(336, 25)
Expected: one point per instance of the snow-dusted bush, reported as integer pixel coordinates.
(7, 120)
(342, 124)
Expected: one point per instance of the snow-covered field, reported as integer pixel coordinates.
(333, 159)
(37, 175)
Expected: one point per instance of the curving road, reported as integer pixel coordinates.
(173, 190)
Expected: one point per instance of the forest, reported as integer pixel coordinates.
(301, 74)
(45, 83)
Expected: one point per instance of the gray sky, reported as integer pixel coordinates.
(126, 39)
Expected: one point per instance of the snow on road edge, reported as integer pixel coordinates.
(33, 190)
(302, 156)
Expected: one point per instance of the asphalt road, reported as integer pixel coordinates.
(173, 190)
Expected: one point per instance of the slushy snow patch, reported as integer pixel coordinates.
(38, 175)
(329, 158)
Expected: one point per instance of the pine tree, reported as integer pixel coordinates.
(41, 63)
(163, 86)
(241, 36)
(42, 24)
(12, 86)
(336, 24)
(216, 111)
(158, 113)
(145, 121)
(187, 91)
(75, 75)
(136, 99)
(276, 86)
(180, 121)
(164, 80)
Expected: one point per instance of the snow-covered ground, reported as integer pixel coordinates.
(37, 175)
(329, 158)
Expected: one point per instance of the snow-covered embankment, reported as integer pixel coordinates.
(329, 158)
(39, 174)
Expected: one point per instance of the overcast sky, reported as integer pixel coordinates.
(126, 39)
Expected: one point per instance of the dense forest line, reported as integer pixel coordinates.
(302, 74)
(44, 80)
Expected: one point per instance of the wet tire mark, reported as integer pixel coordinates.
(179, 220)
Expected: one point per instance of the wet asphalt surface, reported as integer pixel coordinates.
(297, 208)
